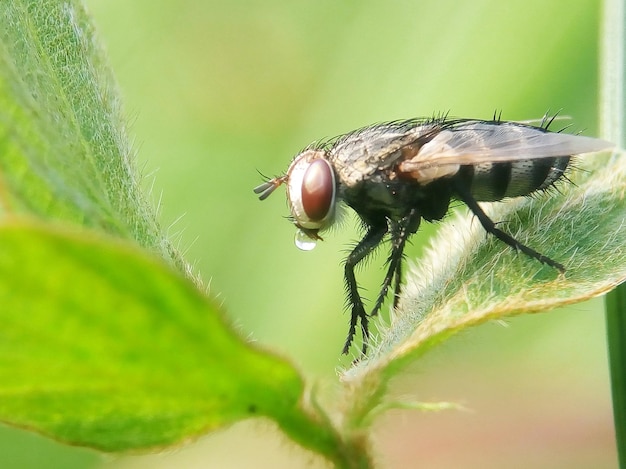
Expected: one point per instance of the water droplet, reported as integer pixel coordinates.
(304, 241)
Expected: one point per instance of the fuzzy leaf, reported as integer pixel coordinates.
(64, 152)
(101, 345)
(468, 278)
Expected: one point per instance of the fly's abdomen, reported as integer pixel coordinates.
(489, 182)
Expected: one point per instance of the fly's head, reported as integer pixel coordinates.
(311, 195)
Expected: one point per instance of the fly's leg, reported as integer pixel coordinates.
(490, 227)
(400, 232)
(371, 239)
(398, 283)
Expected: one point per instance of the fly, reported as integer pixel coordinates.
(395, 174)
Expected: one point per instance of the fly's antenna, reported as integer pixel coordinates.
(264, 190)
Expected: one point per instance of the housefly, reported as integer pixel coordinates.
(395, 174)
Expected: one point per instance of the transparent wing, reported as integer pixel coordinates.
(477, 142)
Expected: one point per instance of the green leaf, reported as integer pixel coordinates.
(63, 145)
(468, 278)
(101, 345)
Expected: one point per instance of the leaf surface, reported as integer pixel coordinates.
(101, 345)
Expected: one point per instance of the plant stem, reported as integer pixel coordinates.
(311, 429)
(612, 109)
(616, 325)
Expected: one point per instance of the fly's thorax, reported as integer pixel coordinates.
(311, 195)
(361, 155)
(381, 198)
(352, 173)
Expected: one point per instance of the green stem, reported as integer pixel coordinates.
(616, 336)
(314, 431)
(612, 109)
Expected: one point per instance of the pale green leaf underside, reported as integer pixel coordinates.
(468, 278)
(64, 150)
(119, 358)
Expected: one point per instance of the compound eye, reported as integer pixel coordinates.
(318, 190)
(311, 192)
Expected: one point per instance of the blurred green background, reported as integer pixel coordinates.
(215, 91)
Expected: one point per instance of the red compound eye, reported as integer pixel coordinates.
(318, 190)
